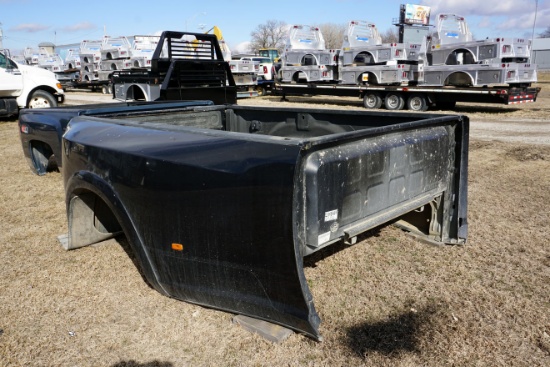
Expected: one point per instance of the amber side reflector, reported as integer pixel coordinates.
(177, 247)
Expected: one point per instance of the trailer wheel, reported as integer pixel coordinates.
(42, 99)
(394, 101)
(261, 91)
(417, 102)
(372, 100)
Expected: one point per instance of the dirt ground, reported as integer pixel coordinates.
(389, 300)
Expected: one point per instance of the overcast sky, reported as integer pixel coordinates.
(26, 23)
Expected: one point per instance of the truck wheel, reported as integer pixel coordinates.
(417, 102)
(394, 101)
(42, 99)
(372, 100)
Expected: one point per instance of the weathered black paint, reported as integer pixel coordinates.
(240, 202)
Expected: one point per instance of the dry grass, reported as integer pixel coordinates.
(387, 301)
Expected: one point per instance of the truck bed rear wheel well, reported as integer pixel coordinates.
(90, 219)
(42, 157)
(136, 93)
(460, 56)
(309, 59)
(371, 77)
(459, 79)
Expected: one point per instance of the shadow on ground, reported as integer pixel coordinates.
(401, 333)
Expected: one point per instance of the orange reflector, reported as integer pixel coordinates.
(177, 247)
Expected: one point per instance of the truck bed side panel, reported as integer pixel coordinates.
(224, 218)
(226, 203)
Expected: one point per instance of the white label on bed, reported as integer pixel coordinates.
(325, 237)
(331, 215)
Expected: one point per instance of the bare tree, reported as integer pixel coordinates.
(545, 34)
(333, 34)
(269, 35)
(390, 36)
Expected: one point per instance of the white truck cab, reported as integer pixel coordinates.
(23, 86)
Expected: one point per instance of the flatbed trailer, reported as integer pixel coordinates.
(415, 98)
(94, 85)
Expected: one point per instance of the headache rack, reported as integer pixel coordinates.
(184, 66)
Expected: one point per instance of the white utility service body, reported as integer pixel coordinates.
(305, 57)
(454, 57)
(437, 69)
(364, 58)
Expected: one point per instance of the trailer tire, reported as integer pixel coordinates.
(261, 91)
(394, 101)
(372, 100)
(42, 99)
(417, 102)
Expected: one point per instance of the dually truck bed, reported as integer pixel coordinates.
(221, 203)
